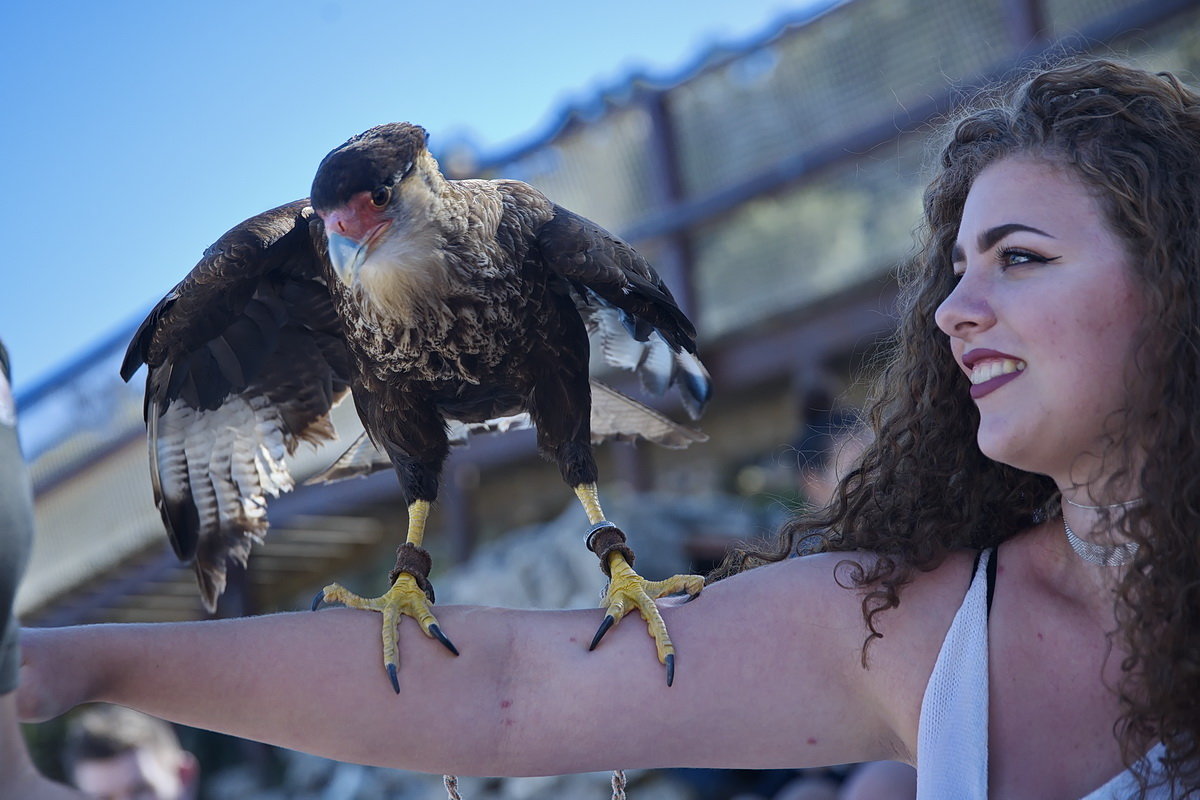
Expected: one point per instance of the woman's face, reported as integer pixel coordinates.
(1042, 319)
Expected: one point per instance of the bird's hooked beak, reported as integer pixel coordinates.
(352, 232)
(347, 256)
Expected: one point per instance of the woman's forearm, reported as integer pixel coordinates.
(307, 681)
(315, 682)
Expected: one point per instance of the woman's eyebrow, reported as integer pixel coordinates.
(988, 238)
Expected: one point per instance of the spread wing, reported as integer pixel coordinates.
(628, 310)
(246, 357)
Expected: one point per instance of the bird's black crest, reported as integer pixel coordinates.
(367, 161)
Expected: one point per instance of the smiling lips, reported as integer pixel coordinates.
(990, 370)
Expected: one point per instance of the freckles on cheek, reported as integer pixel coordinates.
(1059, 340)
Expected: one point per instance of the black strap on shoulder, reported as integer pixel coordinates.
(993, 557)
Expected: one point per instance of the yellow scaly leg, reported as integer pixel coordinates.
(407, 597)
(589, 496)
(627, 590)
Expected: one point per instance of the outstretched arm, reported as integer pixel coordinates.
(772, 678)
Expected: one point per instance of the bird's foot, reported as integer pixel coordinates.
(627, 591)
(410, 596)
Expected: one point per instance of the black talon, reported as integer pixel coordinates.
(391, 668)
(441, 637)
(316, 603)
(670, 669)
(604, 626)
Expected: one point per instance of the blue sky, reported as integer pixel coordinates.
(135, 133)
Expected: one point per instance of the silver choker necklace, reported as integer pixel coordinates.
(1126, 504)
(1102, 555)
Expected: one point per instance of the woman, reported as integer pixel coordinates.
(18, 776)
(1048, 348)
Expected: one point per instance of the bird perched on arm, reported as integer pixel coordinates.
(442, 307)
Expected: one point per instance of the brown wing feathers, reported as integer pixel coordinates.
(615, 288)
(586, 254)
(246, 358)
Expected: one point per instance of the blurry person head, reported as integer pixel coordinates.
(117, 753)
(828, 456)
(830, 441)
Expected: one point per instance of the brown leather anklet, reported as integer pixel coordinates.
(416, 561)
(604, 539)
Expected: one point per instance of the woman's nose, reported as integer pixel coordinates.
(966, 309)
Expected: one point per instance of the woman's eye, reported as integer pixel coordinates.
(1014, 257)
(381, 196)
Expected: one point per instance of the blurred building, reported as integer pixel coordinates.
(775, 187)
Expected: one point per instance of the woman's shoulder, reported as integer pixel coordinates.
(943, 584)
(823, 586)
(802, 618)
(897, 662)
(834, 578)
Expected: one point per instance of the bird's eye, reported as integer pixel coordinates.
(381, 196)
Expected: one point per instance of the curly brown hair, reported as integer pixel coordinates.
(923, 488)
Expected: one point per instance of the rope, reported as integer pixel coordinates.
(618, 784)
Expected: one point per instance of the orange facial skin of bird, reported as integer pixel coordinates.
(358, 220)
(352, 231)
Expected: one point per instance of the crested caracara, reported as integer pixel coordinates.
(441, 306)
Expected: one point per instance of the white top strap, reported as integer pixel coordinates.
(952, 747)
(952, 738)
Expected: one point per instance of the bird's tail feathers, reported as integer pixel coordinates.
(361, 459)
(618, 416)
(614, 416)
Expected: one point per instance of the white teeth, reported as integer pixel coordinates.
(995, 367)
